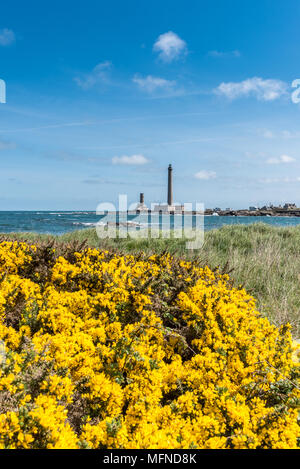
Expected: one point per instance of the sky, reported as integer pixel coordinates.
(102, 96)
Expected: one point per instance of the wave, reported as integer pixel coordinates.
(85, 223)
(71, 213)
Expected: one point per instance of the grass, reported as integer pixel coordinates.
(264, 259)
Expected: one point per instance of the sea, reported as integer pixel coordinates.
(60, 222)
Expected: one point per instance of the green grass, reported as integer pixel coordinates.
(264, 259)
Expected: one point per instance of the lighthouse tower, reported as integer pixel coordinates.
(170, 186)
(141, 206)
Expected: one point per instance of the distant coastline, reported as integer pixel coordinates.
(61, 222)
(257, 212)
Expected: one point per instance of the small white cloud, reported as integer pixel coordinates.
(281, 159)
(205, 174)
(150, 83)
(97, 75)
(264, 90)
(287, 159)
(7, 37)
(222, 54)
(130, 160)
(170, 46)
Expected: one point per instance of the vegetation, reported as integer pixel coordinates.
(264, 259)
(107, 350)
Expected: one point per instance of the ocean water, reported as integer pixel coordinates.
(59, 222)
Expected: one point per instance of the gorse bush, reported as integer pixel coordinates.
(104, 350)
(264, 259)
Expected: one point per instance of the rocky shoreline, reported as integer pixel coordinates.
(269, 212)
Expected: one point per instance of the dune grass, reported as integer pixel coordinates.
(262, 258)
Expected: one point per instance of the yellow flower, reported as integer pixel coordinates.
(102, 350)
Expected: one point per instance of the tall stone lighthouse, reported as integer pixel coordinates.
(170, 186)
(168, 207)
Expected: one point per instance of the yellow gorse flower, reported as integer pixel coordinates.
(120, 351)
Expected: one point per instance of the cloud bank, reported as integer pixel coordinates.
(264, 90)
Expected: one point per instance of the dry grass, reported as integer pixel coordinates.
(264, 259)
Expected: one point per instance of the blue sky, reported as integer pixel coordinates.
(102, 96)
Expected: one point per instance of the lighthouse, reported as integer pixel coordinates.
(167, 207)
(170, 185)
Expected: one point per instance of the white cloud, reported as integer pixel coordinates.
(265, 90)
(150, 83)
(130, 160)
(97, 75)
(170, 46)
(286, 159)
(222, 54)
(7, 37)
(205, 174)
(281, 159)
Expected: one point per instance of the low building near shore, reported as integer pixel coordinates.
(165, 208)
(289, 206)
